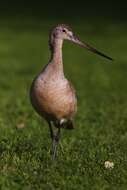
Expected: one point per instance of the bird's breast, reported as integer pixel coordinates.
(54, 96)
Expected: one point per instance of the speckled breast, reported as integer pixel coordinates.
(54, 98)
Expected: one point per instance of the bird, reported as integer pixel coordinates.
(51, 94)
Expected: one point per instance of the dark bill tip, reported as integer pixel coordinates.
(85, 45)
(101, 54)
(90, 48)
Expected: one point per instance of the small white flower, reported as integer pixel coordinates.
(109, 165)
(20, 125)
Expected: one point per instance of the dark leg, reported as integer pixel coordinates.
(55, 143)
(55, 136)
(51, 130)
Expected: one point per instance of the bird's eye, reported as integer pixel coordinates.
(64, 30)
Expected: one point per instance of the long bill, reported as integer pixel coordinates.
(87, 46)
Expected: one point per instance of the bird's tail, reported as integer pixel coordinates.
(69, 125)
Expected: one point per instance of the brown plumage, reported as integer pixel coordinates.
(52, 95)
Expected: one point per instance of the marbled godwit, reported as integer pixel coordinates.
(52, 95)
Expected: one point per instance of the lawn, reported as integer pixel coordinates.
(100, 132)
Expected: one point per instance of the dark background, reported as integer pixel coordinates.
(68, 9)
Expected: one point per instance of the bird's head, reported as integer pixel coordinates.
(64, 32)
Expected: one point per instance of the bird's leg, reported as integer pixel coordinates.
(55, 139)
(51, 130)
(52, 135)
(55, 143)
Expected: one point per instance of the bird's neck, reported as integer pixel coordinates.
(56, 55)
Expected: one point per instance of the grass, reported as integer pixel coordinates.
(100, 132)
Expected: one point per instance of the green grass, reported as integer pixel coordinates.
(100, 132)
